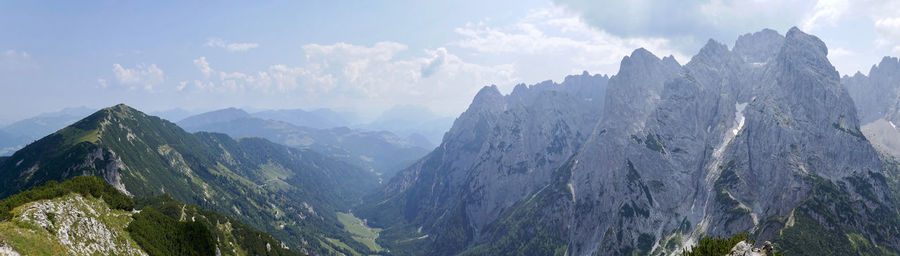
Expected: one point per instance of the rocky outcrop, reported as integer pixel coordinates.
(743, 248)
(71, 225)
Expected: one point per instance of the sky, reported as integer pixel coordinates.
(369, 56)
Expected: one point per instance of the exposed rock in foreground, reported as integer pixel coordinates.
(69, 225)
(744, 248)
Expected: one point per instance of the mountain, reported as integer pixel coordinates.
(9, 143)
(87, 216)
(501, 149)
(877, 98)
(761, 138)
(293, 194)
(16, 135)
(172, 114)
(43, 124)
(212, 117)
(412, 121)
(379, 151)
(320, 118)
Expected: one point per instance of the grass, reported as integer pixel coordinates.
(74, 135)
(360, 231)
(31, 239)
(342, 245)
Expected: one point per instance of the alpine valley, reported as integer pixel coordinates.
(763, 140)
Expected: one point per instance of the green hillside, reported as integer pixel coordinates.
(87, 216)
(289, 193)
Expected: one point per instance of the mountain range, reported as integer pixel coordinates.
(877, 98)
(293, 194)
(412, 122)
(18, 134)
(381, 152)
(761, 138)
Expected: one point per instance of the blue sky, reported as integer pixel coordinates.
(367, 56)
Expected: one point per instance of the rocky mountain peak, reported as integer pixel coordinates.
(888, 66)
(713, 54)
(642, 61)
(876, 95)
(758, 47)
(488, 97)
(804, 46)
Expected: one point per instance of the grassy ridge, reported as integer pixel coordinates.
(162, 227)
(84, 185)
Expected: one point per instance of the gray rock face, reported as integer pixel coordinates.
(500, 150)
(878, 94)
(734, 141)
(877, 98)
(723, 130)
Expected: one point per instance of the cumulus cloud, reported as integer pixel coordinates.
(231, 47)
(439, 57)
(868, 28)
(691, 22)
(203, 65)
(888, 29)
(141, 75)
(277, 78)
(349, 75)
(826, 12)
(554, 42)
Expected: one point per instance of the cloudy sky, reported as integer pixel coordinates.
(367, 56)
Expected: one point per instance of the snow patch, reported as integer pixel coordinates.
(892, 124)
(739, 117)
(571, 190)
(737, 125)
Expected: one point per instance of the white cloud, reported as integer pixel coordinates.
(555, 42)
(277, 78)
(888, 29)
(141, 75)
(690, 22)
(825, 11)
(231, 47)
(102, 82)
(203, 65)
(347, 75)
